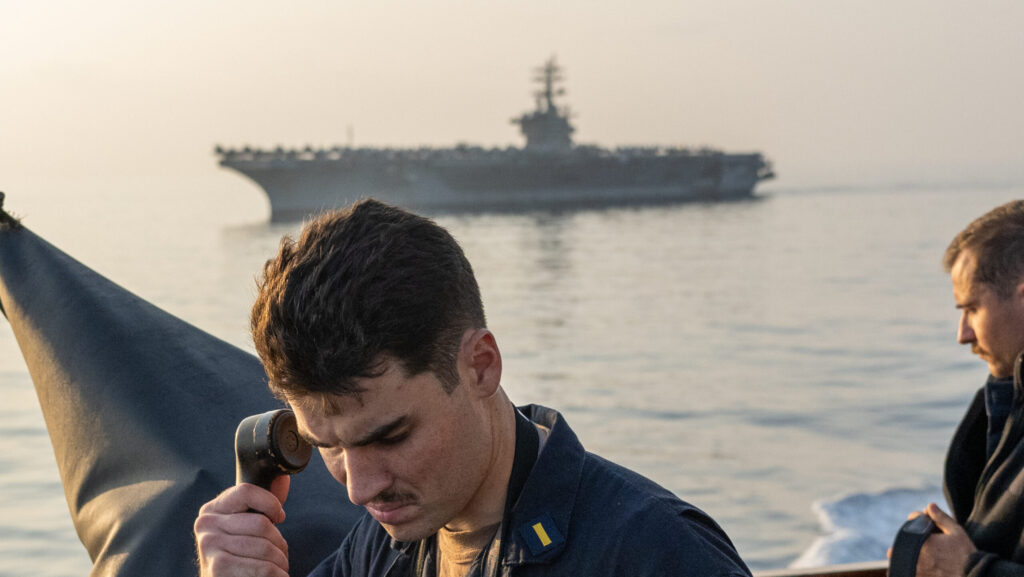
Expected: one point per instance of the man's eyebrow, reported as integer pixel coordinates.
(382, 432)
(378, 434)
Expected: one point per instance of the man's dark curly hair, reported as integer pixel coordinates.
(359, 286)
(996, 240)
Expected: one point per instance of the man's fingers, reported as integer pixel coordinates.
(945, 553)
(279, 487)
(944, 522)
(224, 564)
(259, 549)
(222, 548)
(234, 541)
(235, 534)
(246, 497)
(253, 525)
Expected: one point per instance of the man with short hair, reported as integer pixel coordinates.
(984, 473)
(371, 327)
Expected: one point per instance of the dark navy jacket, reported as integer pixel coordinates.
(986, 494)
(578, 514)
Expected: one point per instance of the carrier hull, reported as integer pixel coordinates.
(299, 184)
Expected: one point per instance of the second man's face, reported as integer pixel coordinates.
(993, 326)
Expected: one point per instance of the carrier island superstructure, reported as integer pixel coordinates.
(550, 171)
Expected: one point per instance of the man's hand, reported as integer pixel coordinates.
(944, 554)
(236, 536)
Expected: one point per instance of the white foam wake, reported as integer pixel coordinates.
(861, 526)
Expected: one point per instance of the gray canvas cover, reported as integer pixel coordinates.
(141, 408)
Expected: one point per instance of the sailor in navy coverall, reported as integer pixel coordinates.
(371, 327)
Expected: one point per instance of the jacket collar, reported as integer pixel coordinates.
(538, 527)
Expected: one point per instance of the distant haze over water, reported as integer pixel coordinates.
(781, 363)
(871, 91)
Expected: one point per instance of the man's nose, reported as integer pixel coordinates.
(965, 334)
(365, 475)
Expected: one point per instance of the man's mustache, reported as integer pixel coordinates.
(392, 497)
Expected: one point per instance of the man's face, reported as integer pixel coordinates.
(994, 327)
(412, 454)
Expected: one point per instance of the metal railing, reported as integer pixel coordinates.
(869, 569)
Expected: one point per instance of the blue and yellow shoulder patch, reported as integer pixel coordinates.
(541, 534)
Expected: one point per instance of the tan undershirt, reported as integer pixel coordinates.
(456, 550)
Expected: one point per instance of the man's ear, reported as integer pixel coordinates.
(481, 360)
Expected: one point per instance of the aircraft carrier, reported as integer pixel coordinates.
(550, 171)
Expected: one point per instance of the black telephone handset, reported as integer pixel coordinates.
(907, 545)
(267, 446)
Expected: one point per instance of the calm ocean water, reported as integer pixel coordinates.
(788, 364)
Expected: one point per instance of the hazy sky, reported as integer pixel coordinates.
(835, 92)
